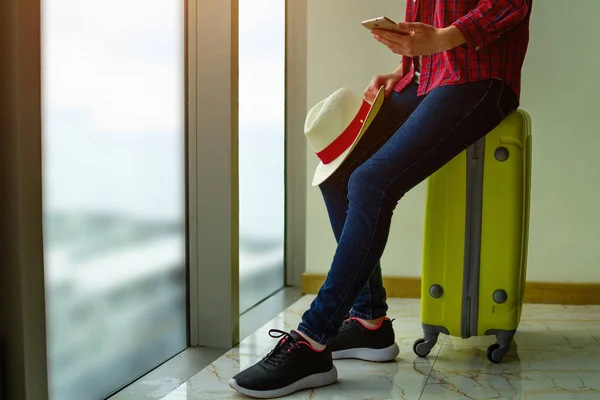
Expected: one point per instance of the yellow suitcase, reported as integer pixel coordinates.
(475, 244)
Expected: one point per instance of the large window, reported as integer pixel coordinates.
(261, 148)
(114, 187)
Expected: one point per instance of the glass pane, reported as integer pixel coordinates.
(114, 186)
(261, 148)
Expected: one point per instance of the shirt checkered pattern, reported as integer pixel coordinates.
(497, 35)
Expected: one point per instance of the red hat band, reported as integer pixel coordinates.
(345, 140)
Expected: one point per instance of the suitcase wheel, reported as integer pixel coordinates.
(496, 352)
(422, 347)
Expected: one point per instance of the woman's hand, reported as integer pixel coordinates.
(387, 80)
(419, 39)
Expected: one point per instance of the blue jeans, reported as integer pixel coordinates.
(410, 138)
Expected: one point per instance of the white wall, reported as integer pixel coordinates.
(561, 90)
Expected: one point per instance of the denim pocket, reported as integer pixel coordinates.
(494, 91)
(485, 85)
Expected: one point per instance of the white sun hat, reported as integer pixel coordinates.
(334, 126)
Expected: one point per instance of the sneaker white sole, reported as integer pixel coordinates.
(378, 355)
(309, 382)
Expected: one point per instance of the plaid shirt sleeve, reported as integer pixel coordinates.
(489, 20)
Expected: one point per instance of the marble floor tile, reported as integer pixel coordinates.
(553, 367)
(555, 340)
(401, 379)
(555, 355)
(537, 317)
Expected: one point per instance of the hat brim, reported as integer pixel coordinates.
(324, 171)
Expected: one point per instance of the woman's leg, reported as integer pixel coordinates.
(371, 302)
(447, 121)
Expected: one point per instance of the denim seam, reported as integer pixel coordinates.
(500, 98)
(384, 193)
(478, 83)
(361, 315)
(370, 297)
(311, 334)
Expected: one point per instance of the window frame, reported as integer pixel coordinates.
(211, 174)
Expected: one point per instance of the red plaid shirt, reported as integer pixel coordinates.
(497, 35)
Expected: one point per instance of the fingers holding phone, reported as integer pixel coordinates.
(383, 24)
(391, 34)
(388, 81)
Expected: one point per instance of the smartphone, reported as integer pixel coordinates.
(382, 23)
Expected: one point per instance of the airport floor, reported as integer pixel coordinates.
(555, 355)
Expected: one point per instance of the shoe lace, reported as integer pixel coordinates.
(283, 348)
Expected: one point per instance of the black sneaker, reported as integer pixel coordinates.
(354, 340)
(291, 366)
